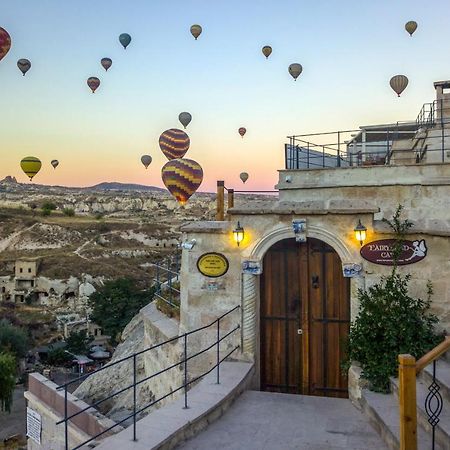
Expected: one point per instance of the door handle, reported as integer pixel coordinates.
(315, 281)
(299, 331)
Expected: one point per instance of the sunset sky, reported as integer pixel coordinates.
(349, 50)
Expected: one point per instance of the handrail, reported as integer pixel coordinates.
(433, 354)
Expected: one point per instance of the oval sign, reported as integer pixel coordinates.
(212, 265)
(380, 252)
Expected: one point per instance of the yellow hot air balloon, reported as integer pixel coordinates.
(411, 27)
(31, 166)
(295, 70)
(267, 50)
(196, 31)
(243, 176)
(398, 83)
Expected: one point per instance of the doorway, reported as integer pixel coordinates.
(304, 319)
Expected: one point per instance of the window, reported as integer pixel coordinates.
(29, 269)
(21, 270)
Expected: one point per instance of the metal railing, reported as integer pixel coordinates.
(166, 278)
(427, 115)
(183, 363)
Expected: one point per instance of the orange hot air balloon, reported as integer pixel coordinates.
(174, 143)
(182, 177)
(5, 43)
(93, 83)
(242, 131)
(106, 63)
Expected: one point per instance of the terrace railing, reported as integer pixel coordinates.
(132, 359)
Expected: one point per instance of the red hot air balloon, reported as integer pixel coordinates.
(182, 177)
(106, 63)
(174, 143)
(242, 131)
(5, 43)
(93, 83)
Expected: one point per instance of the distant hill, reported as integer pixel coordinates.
(113, 186)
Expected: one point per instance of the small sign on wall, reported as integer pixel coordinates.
(299, 227)
(351, 270)
(252, 267)
(34, 425)
(212, 265)
(381, 252)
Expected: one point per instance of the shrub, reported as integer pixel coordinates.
(69, 212)
(58, 357)
(7, 380)
(12, 339)
(78, 342)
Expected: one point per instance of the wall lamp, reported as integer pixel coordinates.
(238, 234)
(360, 232)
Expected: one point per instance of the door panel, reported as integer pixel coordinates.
(302, 288)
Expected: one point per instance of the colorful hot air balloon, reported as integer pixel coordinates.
(243, 176)
(174, 143)
(5, 43)
(410, 27)
(196, 31)
(54, 163)
(24, 65)
(125, 40)
(185, 119)
(267, 50)
(295, 70)
(146, 160)
(242, 131)
(398, 83)
(31, 166)
(106, 63)
(182, 177)
(93, 83)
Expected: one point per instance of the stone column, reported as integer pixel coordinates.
(249, 292)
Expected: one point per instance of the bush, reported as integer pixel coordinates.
(69, 212)
(78, 342)
(49, 205)
(46, 212)
(7, 380)
(58, 357)
(13, 339)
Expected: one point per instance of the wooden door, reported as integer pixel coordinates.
(304, 319)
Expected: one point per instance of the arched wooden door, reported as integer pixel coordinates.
(304, 319)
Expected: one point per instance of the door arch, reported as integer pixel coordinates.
(304, 319)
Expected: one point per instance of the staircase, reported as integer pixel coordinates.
(383, 409)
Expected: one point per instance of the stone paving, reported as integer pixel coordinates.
(268, 421)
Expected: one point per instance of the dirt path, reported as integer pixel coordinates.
(13, 238)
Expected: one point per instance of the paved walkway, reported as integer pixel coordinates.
(14, 422)
(267, 421)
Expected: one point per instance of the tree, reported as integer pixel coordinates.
(7, 380)
(13, 339)
(58, 357)
(116, 303)
(78, 342)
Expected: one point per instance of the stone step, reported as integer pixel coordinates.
(383, 414)
(443, 427)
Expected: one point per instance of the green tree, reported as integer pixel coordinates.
(58, 356)
(116, 303)
(13, 339)
(7, 380)
(78, 342)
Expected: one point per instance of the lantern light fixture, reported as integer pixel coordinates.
(238, 234)
(360, 232)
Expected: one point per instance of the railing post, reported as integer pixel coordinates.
(218, 350)
(169, 280)
(220, 200)
(134, 397)
(66, 430)
(339, 150)
(157, 279)
(185, 372)
(407, 400)
(230, 198)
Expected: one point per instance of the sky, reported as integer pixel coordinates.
(348, 49)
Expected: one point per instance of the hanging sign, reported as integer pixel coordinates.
(381, 252)
(212, 265)
(34, 425)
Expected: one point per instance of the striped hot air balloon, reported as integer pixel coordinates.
(5, 43)
(24, 65)
(31, 166)
(174, 143)
(106, 63)
(93, 83)
(399, 83)
(182, 177)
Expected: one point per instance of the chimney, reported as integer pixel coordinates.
(442, 102)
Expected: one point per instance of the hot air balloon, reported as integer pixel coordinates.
(242, 131)
(93, 83)
(196, 31)
(410, 27)
(5, 43)
(243, 176)
(182, 177)
(125, 40)
(146, 160)
(54, 163)
(174, 143)
(267, 50)
(31, 166)
(295, 70)
(24, 65)
(106, 63)
(398, 83)
(185, 119)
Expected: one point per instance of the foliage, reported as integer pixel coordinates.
(58, 357)
(78, 342)
(69, 212)
(47, 208)
(390, 322)
(7, 380)
(13, 339)
(116, 303)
